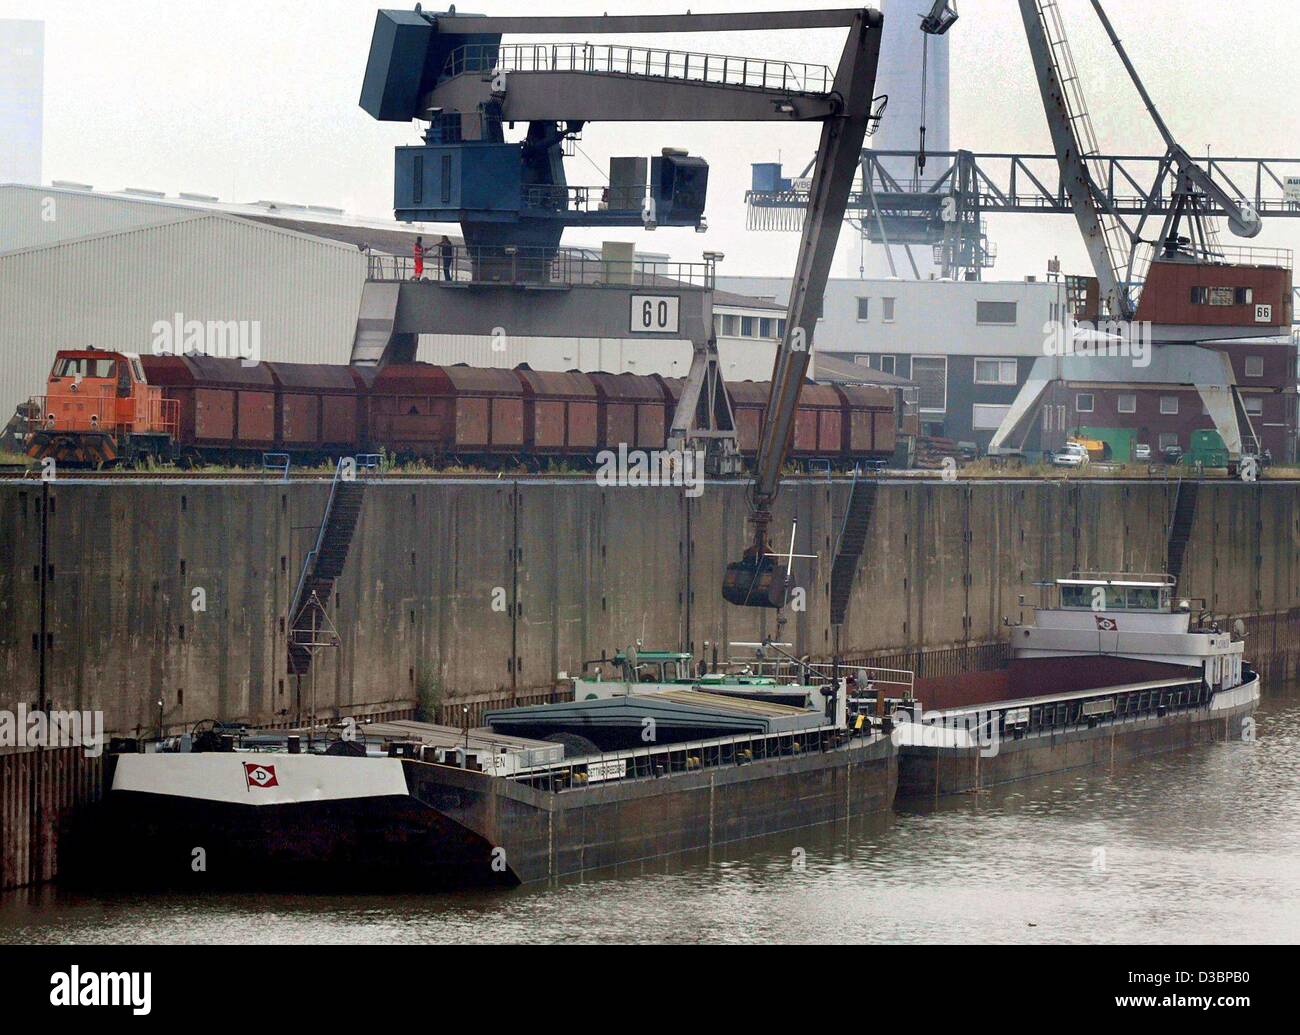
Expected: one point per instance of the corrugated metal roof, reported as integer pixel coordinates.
(839, 371)
(32, 217)
(730, 299)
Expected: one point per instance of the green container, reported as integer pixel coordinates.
(1120, 441)
(1206, 447)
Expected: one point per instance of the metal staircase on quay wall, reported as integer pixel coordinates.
(848, 551)
(309, 624)
(1180, 528)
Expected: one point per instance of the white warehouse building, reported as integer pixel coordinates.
(82, 268)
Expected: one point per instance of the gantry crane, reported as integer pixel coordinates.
(512, 200)
(1102, 191)
(1113, 246)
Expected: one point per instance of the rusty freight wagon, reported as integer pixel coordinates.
(561, 413)
(632, 411)
(458, 413)
(235, 410)
(870, 424)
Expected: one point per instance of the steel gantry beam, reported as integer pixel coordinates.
(1007, 182)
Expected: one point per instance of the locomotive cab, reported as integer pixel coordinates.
(99, 408)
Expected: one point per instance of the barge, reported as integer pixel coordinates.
(1112, 668)
(418, 806)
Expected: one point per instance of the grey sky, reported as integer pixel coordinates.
(252, 100)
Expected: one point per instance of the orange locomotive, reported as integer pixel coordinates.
(100, 409)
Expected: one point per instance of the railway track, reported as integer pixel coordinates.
(9, 473)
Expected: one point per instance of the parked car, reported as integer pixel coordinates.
(1073, 455)
(1142, 452)
(1172, 455)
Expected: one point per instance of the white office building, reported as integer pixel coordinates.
(967, 345)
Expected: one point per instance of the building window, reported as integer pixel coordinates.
(1168, 440)
(1223, 296)
(1127, 404)
(1254, 405)
(864, 308)
(864, 361)
(1083, 403)
(780, 328)
(747, 328)
(887, 310)
(887, 364)
(995, 312)
(987, 417)
(931, 375)
(1254, 366)
(1169, 405)
(995, 371)
(765, 328)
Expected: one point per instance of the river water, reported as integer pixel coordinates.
(1199, 846)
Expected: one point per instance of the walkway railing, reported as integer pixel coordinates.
(561, 198)
(616, 59)
(664, 760)
(462, 265)
(1239, 255)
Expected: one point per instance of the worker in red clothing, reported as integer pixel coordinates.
(419, 258)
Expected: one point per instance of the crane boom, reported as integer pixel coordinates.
(1243, 219)
(757, 581)
(1070, 127)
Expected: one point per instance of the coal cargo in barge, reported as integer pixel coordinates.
(423, 807)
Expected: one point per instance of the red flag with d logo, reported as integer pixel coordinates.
(260, 776)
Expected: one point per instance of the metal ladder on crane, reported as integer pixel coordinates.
(1117, 239)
